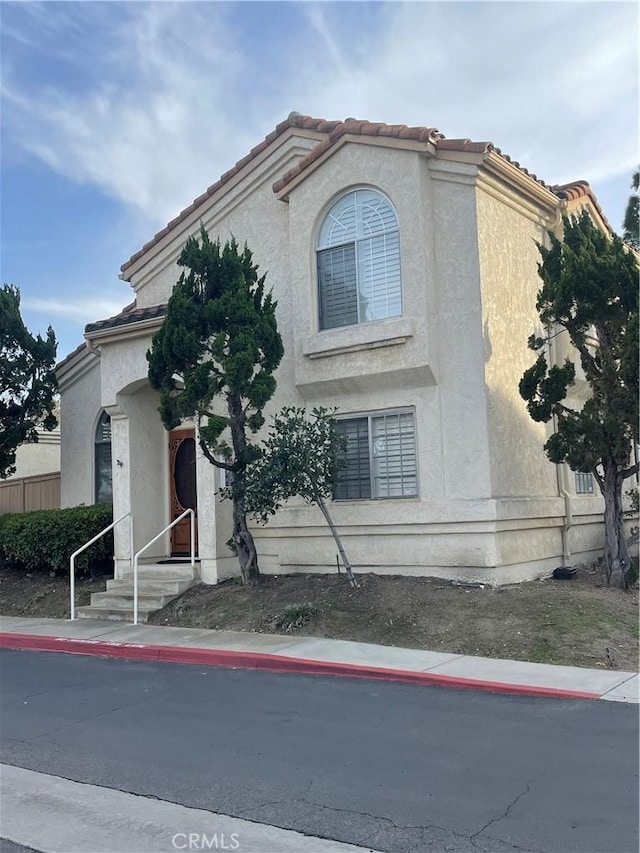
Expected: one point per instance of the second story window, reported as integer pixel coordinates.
(359, 261)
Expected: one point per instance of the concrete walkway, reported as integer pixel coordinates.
(56, 815)
(314, 656)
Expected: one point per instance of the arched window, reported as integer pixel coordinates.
(102, 444)
(359, 261)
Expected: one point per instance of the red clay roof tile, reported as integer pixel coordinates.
(357, 127)
(579, 189)
(465, 145)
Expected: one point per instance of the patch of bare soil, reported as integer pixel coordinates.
(37, 594)
(572, 622)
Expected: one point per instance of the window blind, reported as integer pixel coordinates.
(380, 458)
(359, 261)
(354, 480)
(338, 287)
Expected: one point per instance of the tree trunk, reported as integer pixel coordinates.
(345, 560)
(616, 553)
(244, 544)
(242, 537)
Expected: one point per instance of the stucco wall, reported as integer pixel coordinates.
(42, 457)
(510, 282)
(147, 465)
(80, 409)
(520, 469)
(464, 425)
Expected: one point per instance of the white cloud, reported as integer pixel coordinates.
(175, 93)
(553, 84)
(316, 17)
(159, 117)
(85, 309)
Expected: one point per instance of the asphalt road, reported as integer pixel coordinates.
(400, 768)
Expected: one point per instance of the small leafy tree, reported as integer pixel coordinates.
(27, 381)
(219, 342)
(631, 223)
(590, 291)
(302, 457)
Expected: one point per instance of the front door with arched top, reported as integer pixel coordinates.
(182, 467)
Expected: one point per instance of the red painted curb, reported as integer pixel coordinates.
(270, 663)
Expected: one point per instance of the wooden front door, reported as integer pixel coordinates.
(182, 466)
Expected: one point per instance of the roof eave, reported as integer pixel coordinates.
(578, 195)
(285, 186)
(75, 365)
(136, 329)
(514, 175)
(225, 183)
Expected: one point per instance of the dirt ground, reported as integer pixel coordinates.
(571, 622)
(37, 594)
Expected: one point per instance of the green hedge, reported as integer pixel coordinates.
(45, 539)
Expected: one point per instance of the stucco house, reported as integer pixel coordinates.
(405, 269)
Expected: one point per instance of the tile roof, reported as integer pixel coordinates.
(334, 131)
(429, 135)
(357, 127)
(579, 189)
(128, 315)
(484, 148)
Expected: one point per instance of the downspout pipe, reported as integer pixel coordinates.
(561, 473)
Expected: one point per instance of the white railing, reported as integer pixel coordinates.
(149, 544)
(72, 560)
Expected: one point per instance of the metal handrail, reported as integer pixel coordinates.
(155, 539)
(72, 559)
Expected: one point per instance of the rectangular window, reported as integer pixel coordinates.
(584, 483)
(380, 458)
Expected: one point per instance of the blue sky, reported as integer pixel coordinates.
(116, 115)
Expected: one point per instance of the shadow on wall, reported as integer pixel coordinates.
(520, 467)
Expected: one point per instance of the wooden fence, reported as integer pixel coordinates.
(26, 493)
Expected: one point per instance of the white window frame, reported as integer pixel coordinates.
(359, 239)
(372, 415)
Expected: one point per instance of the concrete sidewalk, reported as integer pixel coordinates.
(57, 815)
(314, 656)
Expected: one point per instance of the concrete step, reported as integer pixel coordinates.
(153, 600)
(164, 586)
(160, 571)
(114, 614)
(158, 584)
